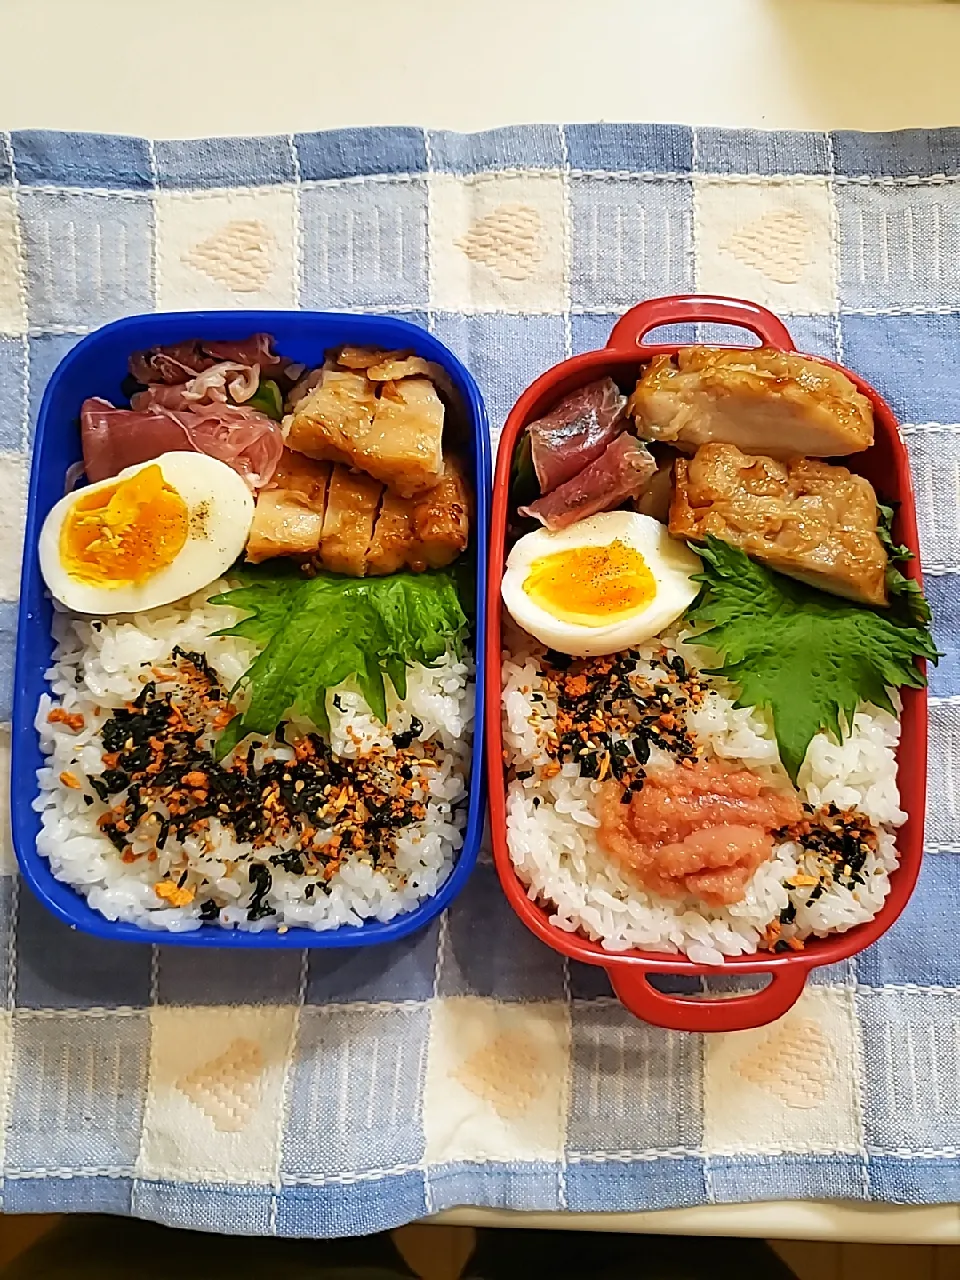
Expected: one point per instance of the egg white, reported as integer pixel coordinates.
(219, 515)
(671, 563)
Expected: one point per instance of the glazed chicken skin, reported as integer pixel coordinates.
(426, 532)
(761, 400)
(317, 511)
(812, 520)
(288, 517)
(350, 523)
(395, 436)
(353, 500)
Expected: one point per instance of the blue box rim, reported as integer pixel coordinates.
(56, 895)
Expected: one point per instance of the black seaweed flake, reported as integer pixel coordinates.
(261, 879)
(116, 838)
(199, 661)
(403, 740)
(209, 910)
(589, 764)
(837, 841)
(291, 861)
(100, 789)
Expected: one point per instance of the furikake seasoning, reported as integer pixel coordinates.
(303, 810)
(609, 715)
(835, 844)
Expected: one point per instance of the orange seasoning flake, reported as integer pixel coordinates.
(72, 719)
(174, 894)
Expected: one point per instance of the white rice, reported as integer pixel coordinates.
(97, 668)
(553, 841)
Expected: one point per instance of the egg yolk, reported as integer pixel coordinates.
(591, 586)
(122, 534)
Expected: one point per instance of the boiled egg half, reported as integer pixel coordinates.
(609, 582)
(145, 537)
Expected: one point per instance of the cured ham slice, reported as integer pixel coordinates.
(243, 438)
(621, 472)
(576, 433)
(228, 381)
(184, 360)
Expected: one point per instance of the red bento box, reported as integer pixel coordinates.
(886, 465)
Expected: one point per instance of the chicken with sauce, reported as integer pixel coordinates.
(812, 520)
(394, 436)
(288, 517)
(426, 532)
(364, 487)
(348, 522)
(762, 400)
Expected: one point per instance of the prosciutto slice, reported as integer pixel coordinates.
(622, 471)
(243, 438)
(576, 433)
(216, 385)
(184, 360)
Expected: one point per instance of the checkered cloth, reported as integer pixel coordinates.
(333, 1092)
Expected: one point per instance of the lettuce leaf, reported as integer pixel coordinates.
(314, 633)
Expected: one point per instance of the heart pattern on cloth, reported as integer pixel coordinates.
(508, 240)
(241, 255)
(778, 244)
(227, 1088)
(508, 1073)
(795, 1062)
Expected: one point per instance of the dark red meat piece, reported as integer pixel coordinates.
(622, 471)
(576, 432)
(243, 438)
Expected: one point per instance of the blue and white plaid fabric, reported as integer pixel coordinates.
(337, 1093)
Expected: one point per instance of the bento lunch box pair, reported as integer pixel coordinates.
(886, 465)
(97, 366)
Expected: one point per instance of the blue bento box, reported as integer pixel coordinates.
(97, 366)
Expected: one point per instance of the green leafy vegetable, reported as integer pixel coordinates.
(905, 594)
(267, 399)
(524, 487)
(314, 633)
(808, 657)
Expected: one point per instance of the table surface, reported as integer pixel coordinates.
(775, 64)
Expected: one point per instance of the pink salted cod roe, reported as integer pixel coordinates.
(700, 830)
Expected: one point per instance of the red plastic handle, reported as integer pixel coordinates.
(694, 1013)
(686, 308)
